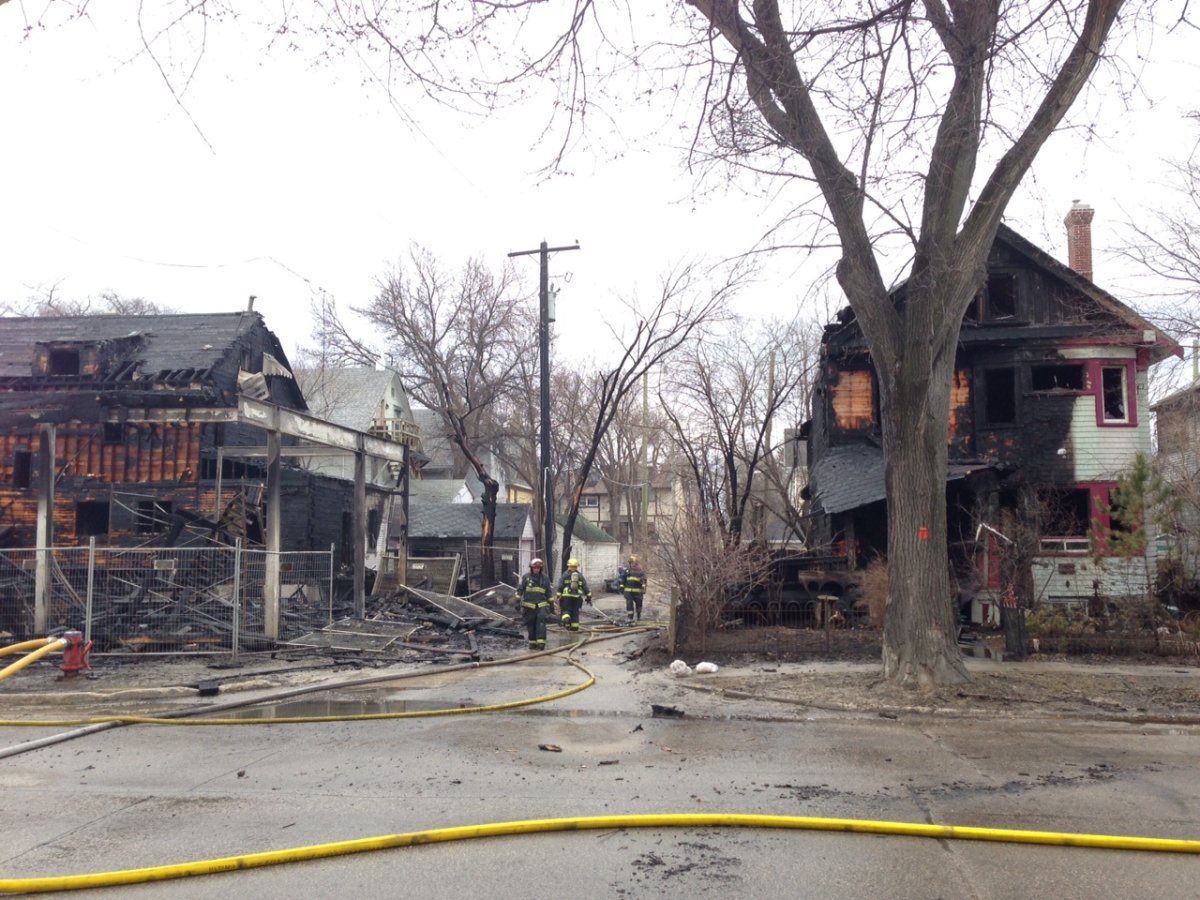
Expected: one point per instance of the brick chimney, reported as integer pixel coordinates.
(1079, 238)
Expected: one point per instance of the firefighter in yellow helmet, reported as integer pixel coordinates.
(572, 592)
(633, 586)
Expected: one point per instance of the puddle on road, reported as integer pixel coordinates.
(384, 704)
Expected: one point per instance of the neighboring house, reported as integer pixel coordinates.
(1178, 462)
(370, 400)
(449, 529)
(598, 552)
(616, 513)
(441, 459)
(139, 455)
(1049, 405)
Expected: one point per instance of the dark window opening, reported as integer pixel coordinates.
(1001, 297)
(372, 527)
(153, 516)
(972, 314)
(91, 518)
(22, 476)
(63, 362)
(347, 538)
(1122, 520)
(1065, 512)
(1057, 377)
(1112, 380)
(114, 433)
(1000, 396)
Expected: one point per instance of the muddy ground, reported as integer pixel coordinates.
(843, 672)
(800, 670)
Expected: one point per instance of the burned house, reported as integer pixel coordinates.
(136, 461)
(1049, 405)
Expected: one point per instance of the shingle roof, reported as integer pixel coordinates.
(346, 397)
(169, 343)
(464, 520)
(851, 475)
(587, 531)
(437, 490)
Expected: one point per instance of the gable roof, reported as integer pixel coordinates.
(71, 367)
(1163, 344)
(350, 397)
(464, 521)
(167, 343)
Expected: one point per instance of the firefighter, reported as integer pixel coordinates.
(533, 597)
(572, 592)
(633, 586)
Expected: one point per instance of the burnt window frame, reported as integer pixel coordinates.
(1067, 368)
(87, 513)
(982, 310)
(985, 397)
(64, 361)
(1057, 541)
(22, 468)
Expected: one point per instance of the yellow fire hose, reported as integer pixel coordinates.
(541, 826)
(45, 646)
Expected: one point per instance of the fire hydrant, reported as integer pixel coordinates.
(75, 654)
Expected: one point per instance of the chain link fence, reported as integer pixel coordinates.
(167, 600)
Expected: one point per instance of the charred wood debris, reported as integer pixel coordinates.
(136, 614)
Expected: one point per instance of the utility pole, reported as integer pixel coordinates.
(544, 321)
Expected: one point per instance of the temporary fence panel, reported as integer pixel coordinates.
(166, 600)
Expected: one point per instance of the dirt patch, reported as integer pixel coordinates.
(802, 669)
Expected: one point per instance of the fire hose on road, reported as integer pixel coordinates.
(531, 826)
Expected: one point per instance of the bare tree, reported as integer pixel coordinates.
(684, 309)
(634, 452)
(49, 301)
(1167, 248)
(455, 341)
(726, 399)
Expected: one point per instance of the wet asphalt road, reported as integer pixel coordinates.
(150, 795)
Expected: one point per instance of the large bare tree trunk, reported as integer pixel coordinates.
(920, 645)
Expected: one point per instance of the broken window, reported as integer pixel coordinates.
(1066, 515)
(1113, 393)
(1057, 377)
(22, 469)
(114, 433)
(63, 361)
(153, 516)
(91, 518)
(996, 302)
(1000, 396)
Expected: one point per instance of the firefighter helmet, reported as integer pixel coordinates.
(572, 564)
(535, 563)
(633, 560)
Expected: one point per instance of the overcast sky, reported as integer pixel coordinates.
(276, 178)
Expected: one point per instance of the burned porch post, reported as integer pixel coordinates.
(45, 527)
(360, 531)
(273, 534)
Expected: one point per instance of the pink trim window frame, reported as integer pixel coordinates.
(1096, 383)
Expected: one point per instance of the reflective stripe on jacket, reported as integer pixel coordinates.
(573, 586)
